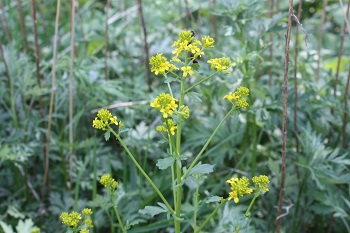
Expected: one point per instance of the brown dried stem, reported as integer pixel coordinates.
(145, 44)
(71, 77)
(284, 119)
(342, 35)
(345, 115)
(320, 35)
(52, 97)
(23, 25)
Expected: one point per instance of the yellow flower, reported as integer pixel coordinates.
(232, 96)
(261, 182)
(208, 42)
(35, 230)
(159, 64)
(84, 231)
(108, 182)
(220, 64)
(184, 111)
(239, 187)
(168, 124)
(236, 97)
(86, 212)
(104, 119)
(242, 103)
(165, 103)
(243, 91)
(88, 223)
(70, 220)
(187, 70)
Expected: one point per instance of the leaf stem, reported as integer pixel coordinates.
(211, 215)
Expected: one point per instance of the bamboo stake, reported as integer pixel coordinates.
(284, 120)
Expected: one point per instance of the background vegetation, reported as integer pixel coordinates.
(50, 88)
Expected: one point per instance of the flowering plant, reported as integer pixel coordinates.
(174, 112)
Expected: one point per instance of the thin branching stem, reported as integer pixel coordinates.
(284, 119)
(320, 35)
(71, 78)
(210, 216)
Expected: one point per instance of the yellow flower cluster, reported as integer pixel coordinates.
(208, 42)
(220, 64)
(159, 64)
(239, 187)
(108, 182)
(168, 124)
(165, 103)
(184, 111)
(188, 43)
(35, 230)
(70, 219)
(186, 70)
(261, 182)
(104, 119)
(238, 96)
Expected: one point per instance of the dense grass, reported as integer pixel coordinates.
(51, 159)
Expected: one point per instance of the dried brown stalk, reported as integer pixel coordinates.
(145, 44)
(342, 35)
(71, 77)
(23, 25)
(284, 119)
(320, 35)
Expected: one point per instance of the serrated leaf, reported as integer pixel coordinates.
(6, 228)
(24, 226)
(212, 199)
(165, 163)
(152, 210)
(202, 169)
(107, 135)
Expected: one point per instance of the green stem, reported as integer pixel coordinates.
(251, 203)
(211, 215)
(206, 144)
(111, 194)
(142, 171)
(195, 209)
(199, 82)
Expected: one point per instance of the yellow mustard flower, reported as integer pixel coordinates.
(168, 124)
(220, 64)
(208, 42)
(104, 119)
(239, 187)
(243, 91)
(187, 70)
(237, 97)
(261, 182)
(184, 111)
(86, 212)
(232, 96)
(84, 231)
(88, 223)
(70, 220)
(242, 103)
(159, 64)
(108, 182)
(165, 103)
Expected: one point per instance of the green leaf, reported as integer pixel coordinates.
(169, 80)
(7, 228)
(202, 169)
(152, 210)
(165, 163)
(107, 135)
(196, 97)
(24, 226)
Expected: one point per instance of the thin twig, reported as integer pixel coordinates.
(345, 16)
(345, 115)
(23, 26)
(145, 45)
(52, 97)
(271, 45)
(342, 35)
(108, 5)
(284, 118)
(71, 77)
(320, 35)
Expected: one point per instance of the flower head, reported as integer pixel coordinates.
(159, 64)
(168, 126)
(88, 223)
(184, 111)
(165, 103)
(70, 220)
(84, 231)
(86, 212)
(220, 64)
(261, 182)
(104, 119)
(108, 182)
(237, 97)
(239, 187)
(187, 70)
(208, 42)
